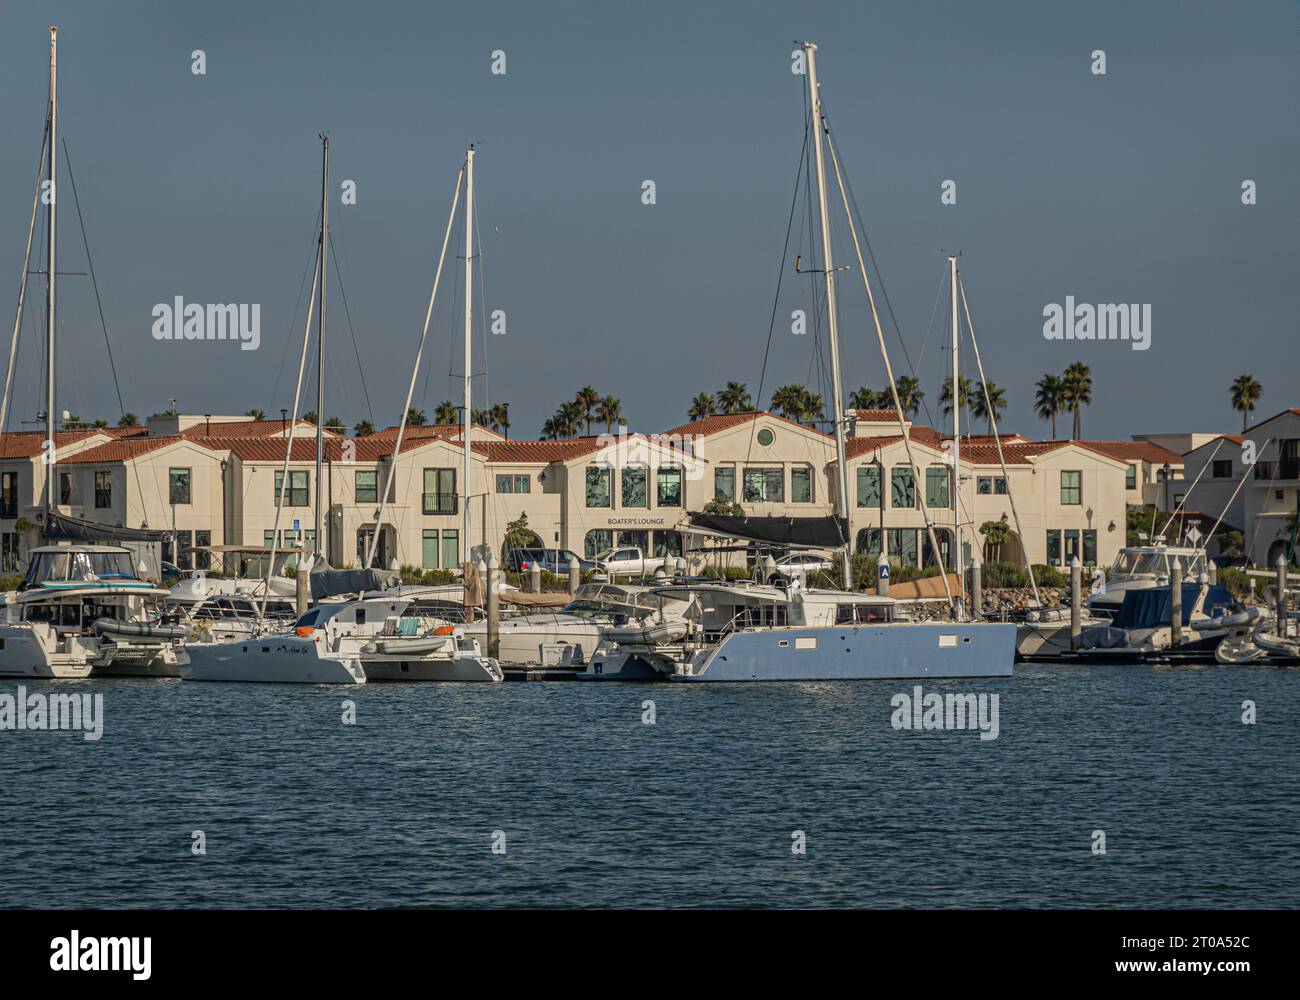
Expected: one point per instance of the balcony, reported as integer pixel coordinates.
(440, 503)
(1285, 470)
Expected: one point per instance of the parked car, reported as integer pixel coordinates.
(804, 562)
(551, 560)
(628, 561)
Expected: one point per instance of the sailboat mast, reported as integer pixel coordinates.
(815, 107)
(318, 546)
(51, 414)
(956, 436)
(467, 416)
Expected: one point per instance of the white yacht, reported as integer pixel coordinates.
(81, 608)
(570, 635)
(738, 632)
(1141, 567)
(347, 642)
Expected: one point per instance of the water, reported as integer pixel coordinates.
(599, 809)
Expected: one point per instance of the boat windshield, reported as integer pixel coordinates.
(1135, 564)
(79, 565)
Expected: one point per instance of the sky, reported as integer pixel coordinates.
(1117, 188)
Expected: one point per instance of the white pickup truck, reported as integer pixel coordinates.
(627, 561)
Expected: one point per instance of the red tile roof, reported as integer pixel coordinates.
(726, 421)
(878, 416)
(534, 452)
(121, 451)
(139, 430)
(247, 429)
(1135, 451)
(29, 444)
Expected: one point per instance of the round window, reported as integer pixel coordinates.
(765, 437)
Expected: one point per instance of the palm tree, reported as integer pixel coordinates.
(1050, 399)
(588, 399)
(445, 413)
(363, 428)
(416, 417)
(309, 416)
(734, 399)
(964, 394)
(789, 400)
(610, 411)
(550, 429)
(1245, 390)
(864, 399)
(1078, 392)
(909, 392)
(480, 417)
(704, 405)
(129, 420)
(499, 417)
(813, 408)
(568, 419)
(989, 403)
(335, 424)
(256, 414)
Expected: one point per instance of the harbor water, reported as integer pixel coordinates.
(551, 794)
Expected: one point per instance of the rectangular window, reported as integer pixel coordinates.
(669, 486)
(183, 556)
(9, 494)
(429, 548)
(764, 484)
(634, 487)
(366, 486)
(439, 491)
(1089, 546)
(1222, 468)
(869, 541)
(1053, 547)
(1071, 545)
(801, 489)
(1131, 477)
(724, 483)
(868, 486)
(1071, 488)
(450, 548)
(297, 493)
(513, 483)
(936, 487)
(902, 546)
(598, 485)
(902, 488)
(9, 552)
(202, 560)
(178, 486)
(103, 490)
(990, 485)
(65, 488)
(599, 540)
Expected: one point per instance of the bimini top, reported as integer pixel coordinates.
(62, 567)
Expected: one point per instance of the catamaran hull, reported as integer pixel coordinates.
(274, 659)
(24, 653)
(902, 652)
(456, 669)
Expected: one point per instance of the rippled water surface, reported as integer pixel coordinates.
(599, 809)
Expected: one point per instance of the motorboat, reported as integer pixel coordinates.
(348, 642)
(743, 632)
(1142, 627)
(1142, 567)
(81, 609)
(571, 634)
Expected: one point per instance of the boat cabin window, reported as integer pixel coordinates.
(75, 565)
(863, 614)
(762, 616)
(312, 619)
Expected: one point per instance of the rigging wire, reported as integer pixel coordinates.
(348, 313)
(314, 245)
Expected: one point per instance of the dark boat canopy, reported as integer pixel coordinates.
(60, 528)
(326, 582)
(794, 532)
(1153, 607)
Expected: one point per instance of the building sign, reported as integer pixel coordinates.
(636, 522)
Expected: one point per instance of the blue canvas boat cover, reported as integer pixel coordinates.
(1153, 607)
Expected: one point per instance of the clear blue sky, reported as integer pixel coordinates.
(1122, 188)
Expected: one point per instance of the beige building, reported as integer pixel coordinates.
(216, 480)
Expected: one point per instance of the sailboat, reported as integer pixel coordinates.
(797, 633)
(80, 608)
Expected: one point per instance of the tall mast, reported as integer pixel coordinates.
(956, 437)
(320, 337)
(51, 415)
(815, 106)
(467, 418)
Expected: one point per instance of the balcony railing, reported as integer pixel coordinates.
(440, 503)
(1287, 468)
